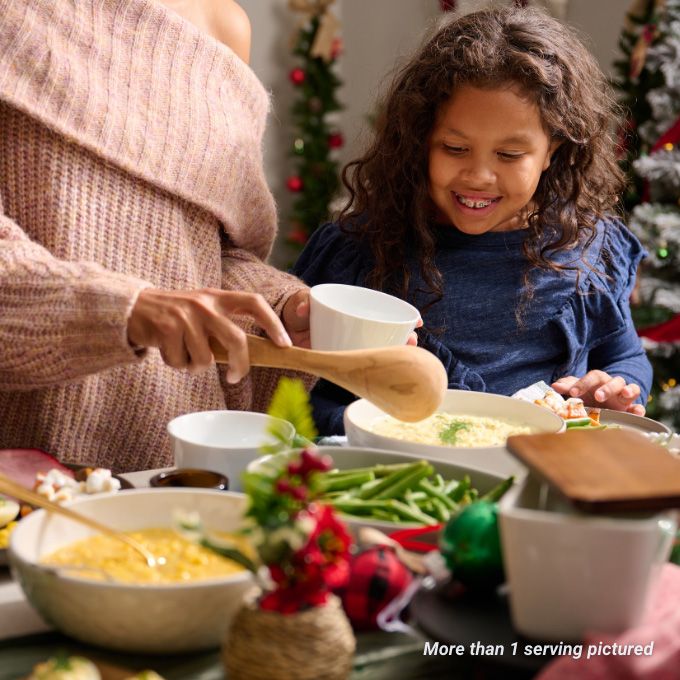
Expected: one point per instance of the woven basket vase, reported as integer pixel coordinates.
(313, 644)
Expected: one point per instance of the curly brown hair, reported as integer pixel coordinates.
(389, 204)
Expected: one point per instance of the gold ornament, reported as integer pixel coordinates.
(668, 146)
(329, 25)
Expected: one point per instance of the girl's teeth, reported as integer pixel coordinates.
(473, 204)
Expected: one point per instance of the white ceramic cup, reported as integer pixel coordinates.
(222, 441)
(346, 317)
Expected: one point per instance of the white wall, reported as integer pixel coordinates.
(376, 34)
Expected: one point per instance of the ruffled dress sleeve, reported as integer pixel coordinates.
(596, 320)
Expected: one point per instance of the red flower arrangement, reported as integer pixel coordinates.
(303, 545)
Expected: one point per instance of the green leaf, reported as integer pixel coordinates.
(291, 402)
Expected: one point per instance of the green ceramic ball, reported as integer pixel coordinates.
(471, 546)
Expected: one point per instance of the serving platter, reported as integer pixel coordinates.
(124, 484)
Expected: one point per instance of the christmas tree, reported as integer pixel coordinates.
(315, 179)
(649, 81)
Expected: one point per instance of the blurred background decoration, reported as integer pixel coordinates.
(648, 79)
(315, 177)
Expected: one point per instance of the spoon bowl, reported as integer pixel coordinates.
(407, 382)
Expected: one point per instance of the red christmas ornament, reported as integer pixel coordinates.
(335, 140)
(297, 76)
(298, 236)
(294, 184)
(337, 47)
(376, 577)
(671, 136)
(669, 331)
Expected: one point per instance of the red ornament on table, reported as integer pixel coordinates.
(294, 184)
(297, 76)
(335, 140)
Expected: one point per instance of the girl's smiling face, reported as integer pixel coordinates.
(488, 149)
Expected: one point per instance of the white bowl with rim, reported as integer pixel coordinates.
(361, 416)
(348, 457)
(344, 317)
(144, 618)
(571, 573)
(223, 441)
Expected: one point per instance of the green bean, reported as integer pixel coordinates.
(457, 494)
(390, 480)
(377, 470)
(441, 510)
(497, 492)
(437, 494)
(407, 513)
(344, 482)
(401, 485)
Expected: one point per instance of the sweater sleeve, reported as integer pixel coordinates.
(59, 320)
(244, 271)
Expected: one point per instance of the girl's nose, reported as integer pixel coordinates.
(478, 174)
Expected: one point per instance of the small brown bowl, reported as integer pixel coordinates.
(190, 477)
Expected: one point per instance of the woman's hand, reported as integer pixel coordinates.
(180, 323)
(598, 388)
(295, 316)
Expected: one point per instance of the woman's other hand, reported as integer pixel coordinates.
(295, 318)
(598, 388)
(180, 324)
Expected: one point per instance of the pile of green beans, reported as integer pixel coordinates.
(401, 493)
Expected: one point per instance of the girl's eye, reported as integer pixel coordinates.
(509, 156)
(455, 150)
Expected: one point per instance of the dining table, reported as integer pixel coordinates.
(25, 640)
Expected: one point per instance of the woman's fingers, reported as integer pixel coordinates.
(230, 336)
(257, 307)
(198, 349)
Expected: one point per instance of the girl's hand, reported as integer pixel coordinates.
(180, 322)
(295, 316)
(413, 337)
(598, 388)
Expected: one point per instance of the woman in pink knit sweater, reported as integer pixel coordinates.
(134, 224)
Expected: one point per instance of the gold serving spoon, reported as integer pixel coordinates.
(407, 382)
(11, 488)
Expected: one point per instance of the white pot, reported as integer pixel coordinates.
(571, 573)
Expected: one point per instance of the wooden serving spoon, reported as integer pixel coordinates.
(407, 382)
(11, 488)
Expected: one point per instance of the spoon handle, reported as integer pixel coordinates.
(11, 488)
(264, 352)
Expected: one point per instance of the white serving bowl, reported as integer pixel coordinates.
(222, 441)
(347, 457)
(156, 619)
(343, 317)
(571, 573)
(361, 415)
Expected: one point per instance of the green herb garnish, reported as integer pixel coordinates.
(450, 433)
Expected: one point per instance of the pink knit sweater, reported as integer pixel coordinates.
(130, 156)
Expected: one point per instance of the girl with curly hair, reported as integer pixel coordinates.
(486, 200)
